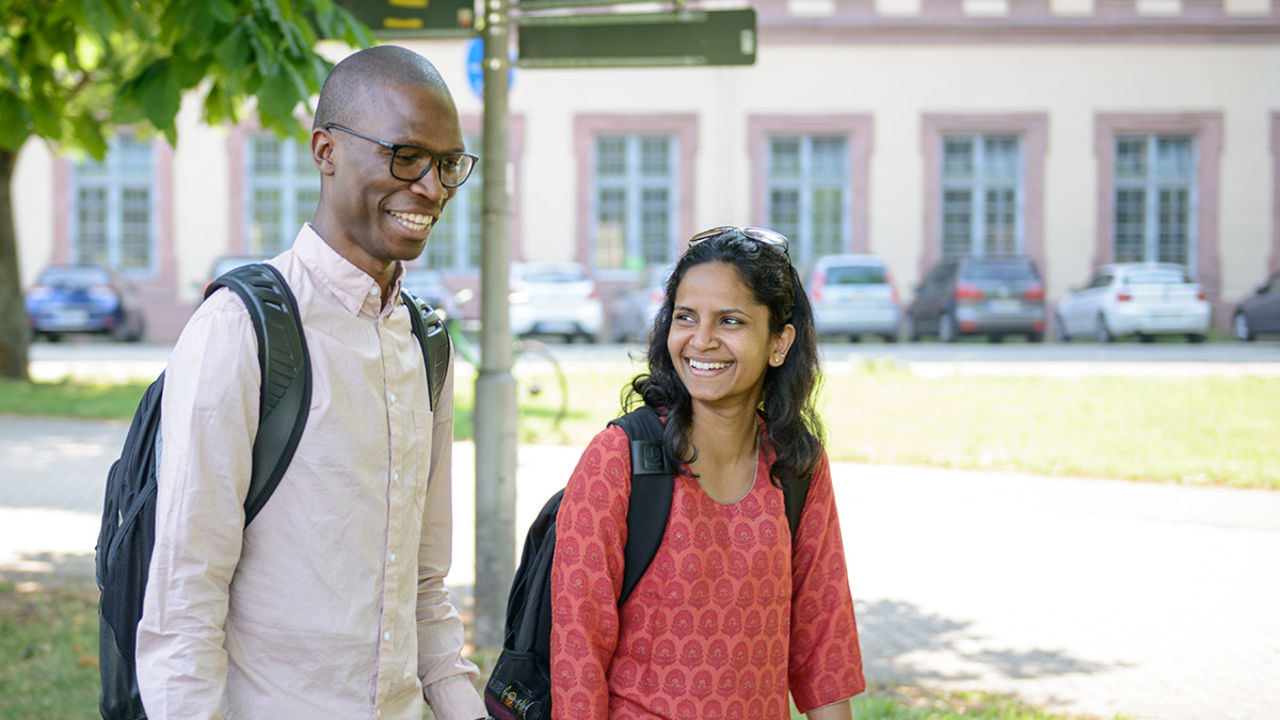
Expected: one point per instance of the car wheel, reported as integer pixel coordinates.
(1035, 337)
(1060, 329)
(995, 338)
(1240, 328)
(855, 338)
(1196, 338)
(53, 337)
(1146, 338)
(947, 330)
(913, 334)
(1102, 332)
(891, 337)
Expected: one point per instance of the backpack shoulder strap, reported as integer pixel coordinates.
(429, 328)
(652, 481)
(286, 374)
(793, 497)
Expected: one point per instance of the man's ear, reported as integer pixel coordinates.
(322, 150)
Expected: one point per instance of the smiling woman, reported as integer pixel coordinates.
(732, 371)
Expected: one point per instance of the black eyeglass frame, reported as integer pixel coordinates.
(762, 235)
(395, 149)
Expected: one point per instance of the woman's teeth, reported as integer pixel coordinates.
(699, 365)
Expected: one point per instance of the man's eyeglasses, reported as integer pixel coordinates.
(764, 236)
(410, 162)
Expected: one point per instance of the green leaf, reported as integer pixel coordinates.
(88, 134)
(235, 50)
(15, 123)
(157, 91)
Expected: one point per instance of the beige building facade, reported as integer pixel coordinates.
(1076, 132)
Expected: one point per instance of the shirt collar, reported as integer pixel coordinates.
(355, 289)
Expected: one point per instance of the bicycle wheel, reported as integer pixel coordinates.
(542, 390)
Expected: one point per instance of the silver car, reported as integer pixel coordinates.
(853, 295)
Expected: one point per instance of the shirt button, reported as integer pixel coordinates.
(395, 475)
(386, 636)
(378, 712)
(393, 397)
(374, 290)
(391, 557)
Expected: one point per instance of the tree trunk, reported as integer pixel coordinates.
(15, 335)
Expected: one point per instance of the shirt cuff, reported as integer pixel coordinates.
(454, 698)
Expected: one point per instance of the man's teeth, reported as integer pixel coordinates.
(699, 365)
(417, 221)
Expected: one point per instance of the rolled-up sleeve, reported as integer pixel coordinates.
(209, 414)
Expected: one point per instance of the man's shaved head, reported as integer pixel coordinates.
(343, 90)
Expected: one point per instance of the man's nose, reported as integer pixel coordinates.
(429, 186)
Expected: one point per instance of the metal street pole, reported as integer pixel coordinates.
(495, 408)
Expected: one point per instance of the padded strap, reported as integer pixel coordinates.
(429, 328)
(286, 374)
(652, 481)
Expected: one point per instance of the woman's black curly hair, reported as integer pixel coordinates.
(787, 401)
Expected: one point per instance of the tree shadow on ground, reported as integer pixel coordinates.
(50, 570)
(892, 633)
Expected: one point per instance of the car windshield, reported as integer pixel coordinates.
(999, 271)
(79, 276)
(855, 275)
(1158, 277)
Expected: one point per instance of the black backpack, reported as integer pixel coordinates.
(128, 514)
(519, 688)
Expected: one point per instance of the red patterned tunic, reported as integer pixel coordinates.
(726, 620)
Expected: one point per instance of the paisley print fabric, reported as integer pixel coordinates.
(726, 620)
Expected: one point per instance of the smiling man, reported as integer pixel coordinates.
(331, 603)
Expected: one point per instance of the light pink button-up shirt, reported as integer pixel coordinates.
(332, 603)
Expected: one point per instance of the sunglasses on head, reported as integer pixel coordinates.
(764, 236)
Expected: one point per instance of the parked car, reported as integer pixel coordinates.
(429, 285)
(978, 296)
(633, 310)
(231, 262)
(1143, 299)
(853, 295)
(84, 299)
(1259, 313)
(555, 298)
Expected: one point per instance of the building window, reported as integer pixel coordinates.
(1155, 183)
(114, 214)
(808, 193)
(635, 200)
(283, 188)
(455, 241)
(982, 192)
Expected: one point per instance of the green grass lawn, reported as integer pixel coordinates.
(1194, 430)
(49, 671)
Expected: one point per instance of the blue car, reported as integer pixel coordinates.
(88, 299)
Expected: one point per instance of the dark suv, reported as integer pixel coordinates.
(979, 296)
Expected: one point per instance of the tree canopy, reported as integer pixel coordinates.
(71, 71)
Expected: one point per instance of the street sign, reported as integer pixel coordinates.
(680, 38)
(475, 67)
(390, 19)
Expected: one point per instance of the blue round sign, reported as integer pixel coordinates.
(475, 67)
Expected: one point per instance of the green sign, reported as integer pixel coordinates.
(415, 18)
(716, 37)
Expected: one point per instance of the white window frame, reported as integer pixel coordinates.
(806, 184)
(289, 183)
(632, 183)
(1151, 183)
(461, 225)
(115, 179)
(978, 185)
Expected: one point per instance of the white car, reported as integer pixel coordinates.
(1143, 299)
(555, 298)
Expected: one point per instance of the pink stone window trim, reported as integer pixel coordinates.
(1032, 128)
(857, 129)
(1207, 128)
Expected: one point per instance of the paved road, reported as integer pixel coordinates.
(1090, 596)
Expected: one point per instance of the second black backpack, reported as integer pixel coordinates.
(519, 688)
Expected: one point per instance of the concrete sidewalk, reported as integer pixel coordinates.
(1088, 596)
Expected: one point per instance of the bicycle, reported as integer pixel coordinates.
(542, 388)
